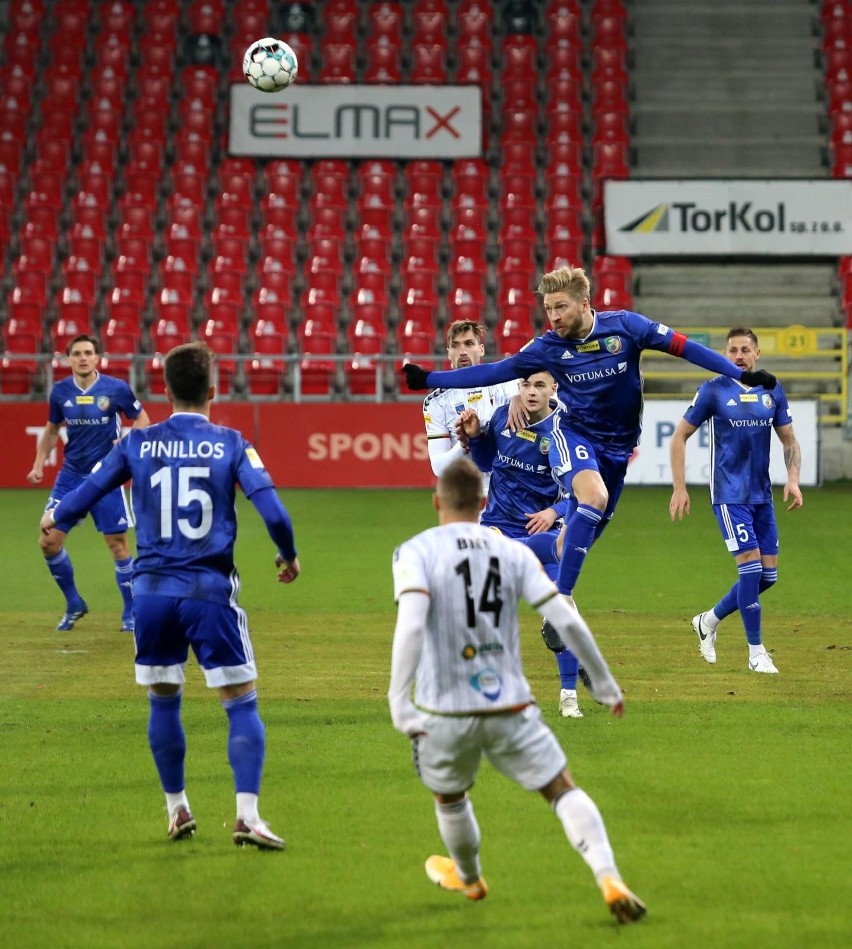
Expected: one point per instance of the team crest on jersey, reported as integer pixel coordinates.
(613, 344)
(766, 399)
(748, 397)
(488, 683)
(103, 403)
(85, 400)
(526, 434)
(544, 445)
(589, 347)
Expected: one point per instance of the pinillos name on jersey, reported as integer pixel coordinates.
(178, 449)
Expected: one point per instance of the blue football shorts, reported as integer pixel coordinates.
(748, 527)
(166, 628)
(571, 453)
(111, 514)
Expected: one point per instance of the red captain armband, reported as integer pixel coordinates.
(676, 344)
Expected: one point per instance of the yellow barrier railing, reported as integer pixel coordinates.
(810, 362)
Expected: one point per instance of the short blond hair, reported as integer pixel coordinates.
(459, 486)
(570, 280)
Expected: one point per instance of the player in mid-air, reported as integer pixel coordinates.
(458, 588)
(594, 358)
(741, 421)
(524, 502)
(185, 471)
(90, 405)
(441, 409)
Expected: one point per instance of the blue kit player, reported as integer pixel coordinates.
(90, 406)
(741, 421)
(594, 358)
(524, 502)
(185, 471)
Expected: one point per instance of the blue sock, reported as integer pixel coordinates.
(768, 577)
(728, 603)
(62, 571)
(568, 665)
(124, 579)
(579, 536)
(748, 599)
(167, 740)
(246, 742)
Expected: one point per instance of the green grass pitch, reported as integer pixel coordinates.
(726, 794)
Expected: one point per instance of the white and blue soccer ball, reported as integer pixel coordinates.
(270, 64)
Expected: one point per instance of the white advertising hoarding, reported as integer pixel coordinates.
(357, 122)
(650, 463)
(719, 217)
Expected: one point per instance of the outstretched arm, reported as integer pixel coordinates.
(487, 374)
(679, 504)
(699, 355)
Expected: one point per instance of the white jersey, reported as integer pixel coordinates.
(442, 408)
(470, 661)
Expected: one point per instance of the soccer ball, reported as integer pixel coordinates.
(270, 64)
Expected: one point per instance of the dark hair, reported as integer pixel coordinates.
(459, 327)
(187, 371)
(82, 338)
(460, 486)
(742, 331)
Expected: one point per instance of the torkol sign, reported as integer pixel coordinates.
(720, 217)
(357, 122)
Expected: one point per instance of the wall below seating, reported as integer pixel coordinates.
(328, 445)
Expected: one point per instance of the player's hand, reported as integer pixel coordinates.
(517, 417)
(415, 377)
(759, 377)
(290, 571)
(679, 504)
(617, 710)
(468, 426)
(793, 494)
(541, 521)
(35, 476)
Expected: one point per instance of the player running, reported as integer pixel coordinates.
(741, 420)
(90, 405)
(458, 588)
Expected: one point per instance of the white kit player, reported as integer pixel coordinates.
(457, 587)
(442, 408)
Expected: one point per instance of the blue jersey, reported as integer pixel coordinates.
(92, 417)
(185, 471)
(741, 422)
(521, 481)
(598, 377)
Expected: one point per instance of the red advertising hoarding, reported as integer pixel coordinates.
(310, 445)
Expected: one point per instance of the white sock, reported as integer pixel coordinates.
(460, 833)
(584, 828)
(755, 651)
(711, 619)
(175, 801)
(247, 807)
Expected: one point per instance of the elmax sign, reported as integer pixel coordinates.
(357, 122)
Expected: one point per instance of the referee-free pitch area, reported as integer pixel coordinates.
(726, 793)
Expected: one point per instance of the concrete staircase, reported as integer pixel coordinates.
(726, 89)
(725, 294)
